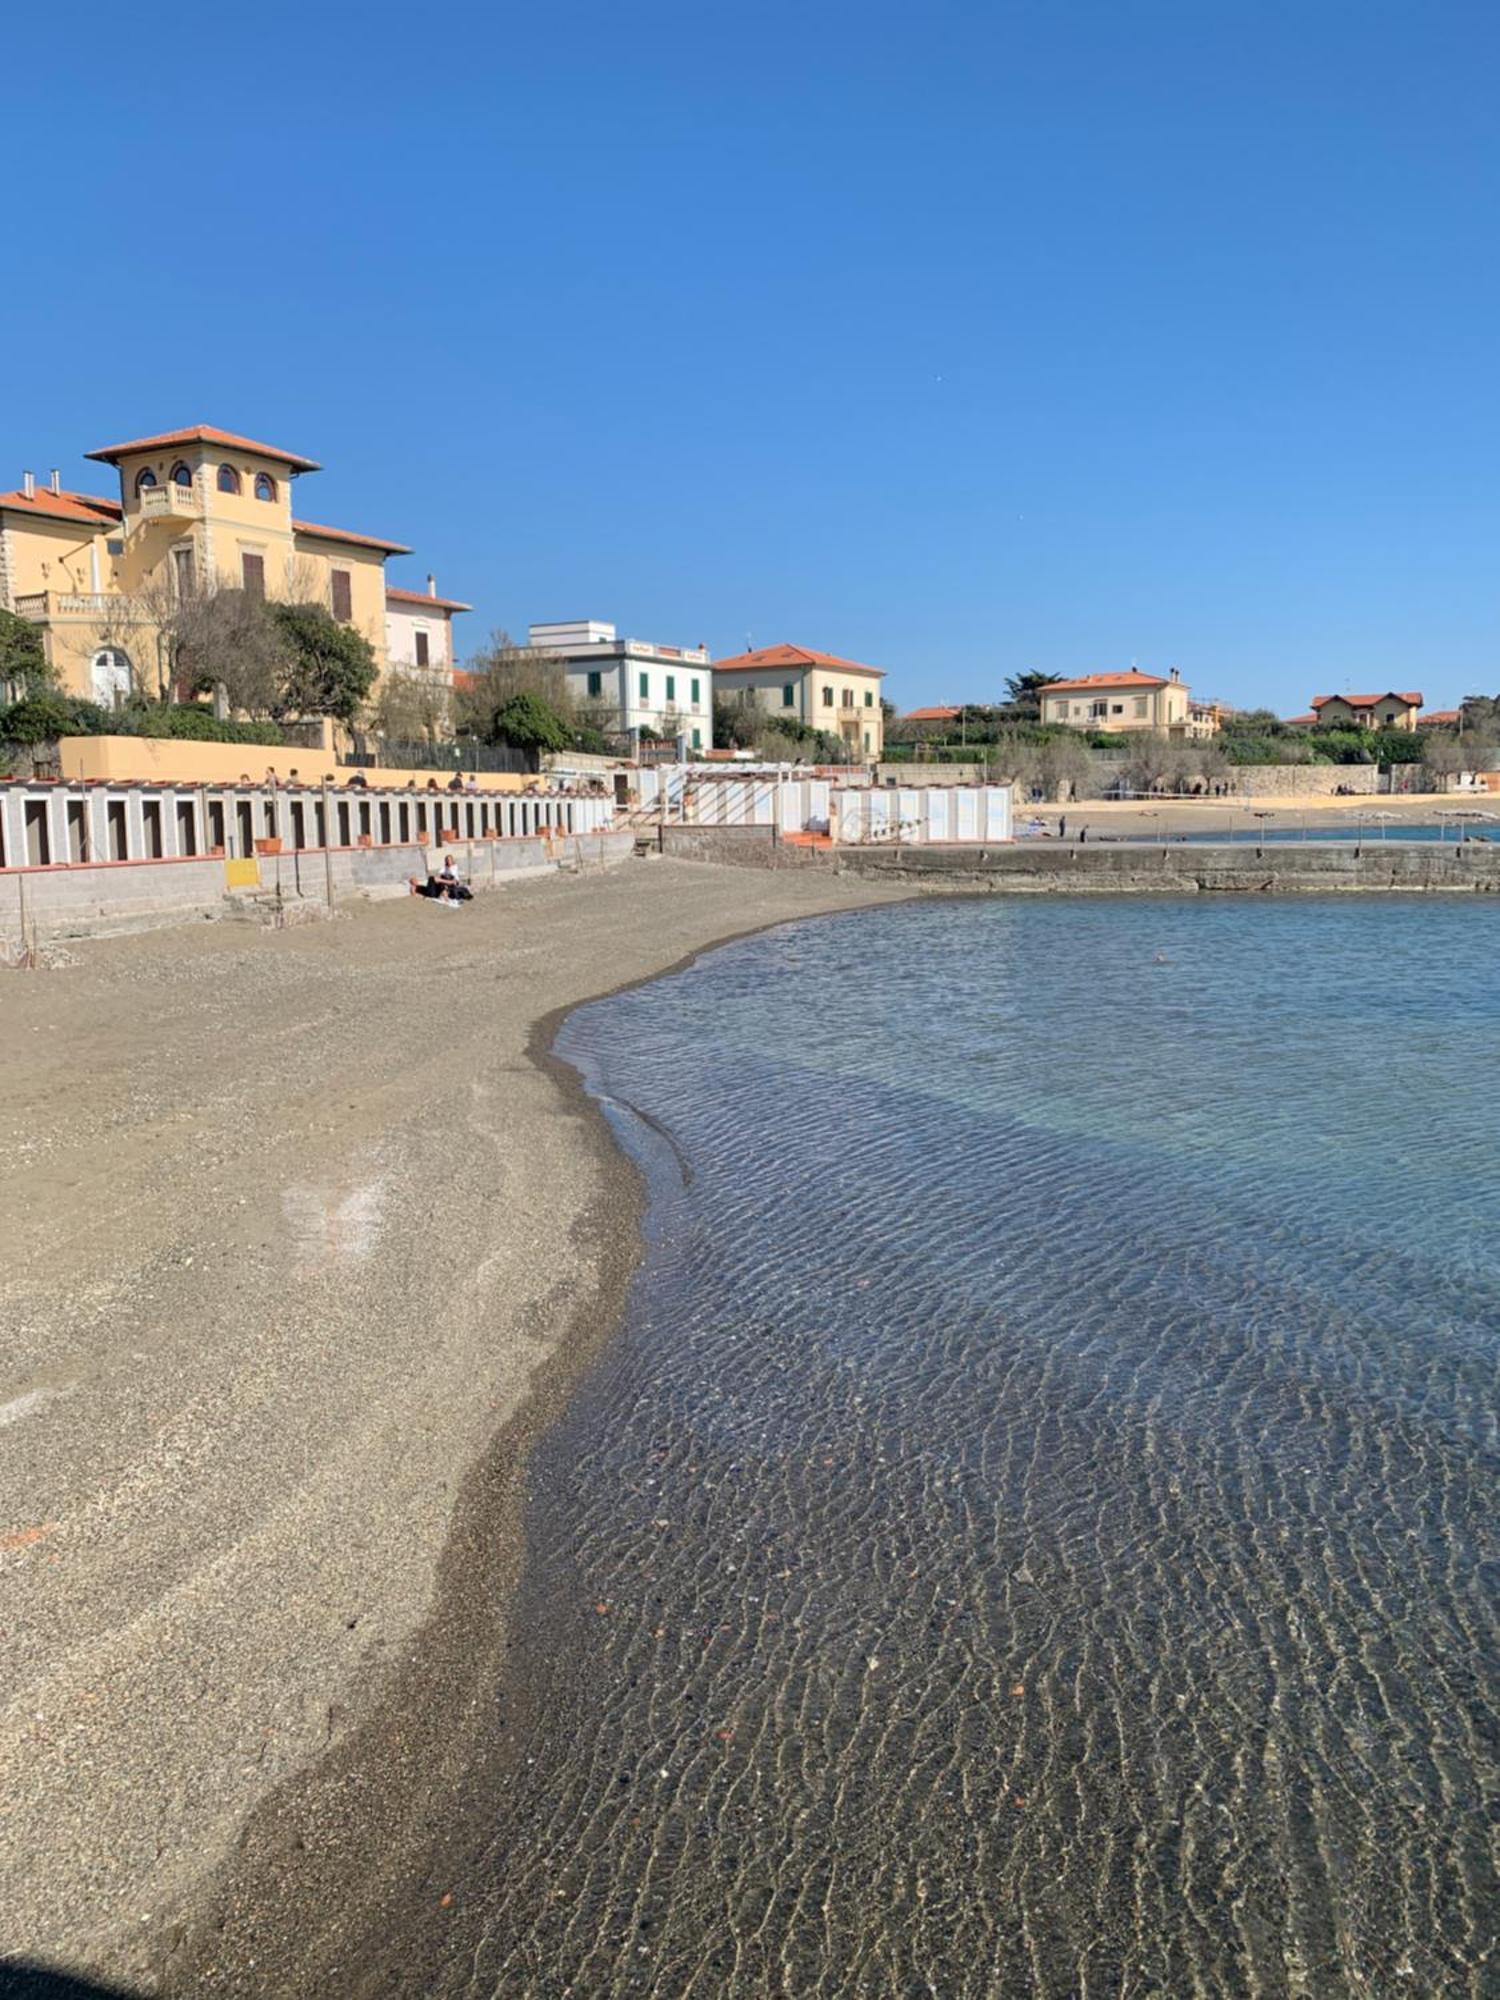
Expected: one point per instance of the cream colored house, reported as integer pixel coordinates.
(419, 631)
(97, 572)
(820, 689)
(1367, 711)
(1128, 701)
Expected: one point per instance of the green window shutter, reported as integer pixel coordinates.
(869, 699)
(671, 687)
(596, 683)
(697, 739)
(645, 685)
(695, 693)
(788, 695)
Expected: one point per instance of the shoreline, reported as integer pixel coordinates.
(310, 1855)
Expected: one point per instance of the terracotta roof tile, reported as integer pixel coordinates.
(1368, 700)
(395, 596)
(930, 714)
(1130, 679)
(204, 434)
(348, 535)
(792, 656)
(85, 508)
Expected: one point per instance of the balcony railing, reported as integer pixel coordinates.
(40, 605)
(170, 502)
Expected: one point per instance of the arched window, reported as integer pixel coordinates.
(265, 486)
(229, 479)
(182, 475)
(111, 676)
(144, 478)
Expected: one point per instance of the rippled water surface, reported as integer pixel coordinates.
(1035, 1533)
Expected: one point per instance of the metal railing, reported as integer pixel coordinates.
(370, 753)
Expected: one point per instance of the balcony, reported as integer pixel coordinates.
(42, 605)
(170, 503)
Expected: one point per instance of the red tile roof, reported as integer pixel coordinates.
(1129, 679)
(1368, 700)
(792, 656)
(204, 434)
(347, 535)
(1300, 721)
(394, 596)
(930, 714)
(1441, 718)
(84, 508)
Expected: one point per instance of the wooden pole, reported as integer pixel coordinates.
(327, 846)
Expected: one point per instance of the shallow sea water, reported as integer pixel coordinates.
(1035, 1532)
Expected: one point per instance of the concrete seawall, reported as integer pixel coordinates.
(1179, 868)
(1316, 868)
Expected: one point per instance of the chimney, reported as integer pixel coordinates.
(28, 485)
(55, 481)
(431, 585)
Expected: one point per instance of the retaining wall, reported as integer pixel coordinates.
(1317, 868)
(78, 900)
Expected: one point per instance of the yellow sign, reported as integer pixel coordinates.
(242, 874)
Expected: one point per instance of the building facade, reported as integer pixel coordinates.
(1367, 711)
(820, 689)
(419, 635)
(633, 687)
(197, 508)
(1127, 702)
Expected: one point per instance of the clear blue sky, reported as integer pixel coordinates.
(960, 339)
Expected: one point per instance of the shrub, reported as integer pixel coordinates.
(23, 662)
(38, 718)
(185, 720)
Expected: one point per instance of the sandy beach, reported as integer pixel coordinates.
(307, 1237)
(1129, 819)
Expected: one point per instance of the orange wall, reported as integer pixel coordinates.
(164, 761)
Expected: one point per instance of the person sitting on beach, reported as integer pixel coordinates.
(456, 783)
(359, 782)
(453, 883)
(431, 889)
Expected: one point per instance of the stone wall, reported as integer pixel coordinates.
(742, 846)
(929, 774)
(1303, 781)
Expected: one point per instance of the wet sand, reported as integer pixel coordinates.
(307, 1239)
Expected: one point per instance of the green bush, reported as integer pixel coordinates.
(38, 719)
(185, 720)
(41, 718)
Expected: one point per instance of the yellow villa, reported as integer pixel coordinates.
(1368, 711)
(1129, 701)
(840, 696)
(196, 507)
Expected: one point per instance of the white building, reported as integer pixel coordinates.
(627, 685)
(419, 631)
